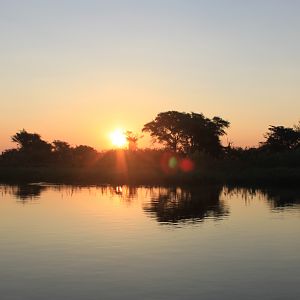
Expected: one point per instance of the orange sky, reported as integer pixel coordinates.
(76, 71)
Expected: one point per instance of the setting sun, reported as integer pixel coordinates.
(118, 138)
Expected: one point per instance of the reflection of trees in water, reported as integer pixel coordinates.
(173, 205)
(126, 193)
(29, 191)
(278, 198)
(24, 192)
(281, 198)
(168, 204)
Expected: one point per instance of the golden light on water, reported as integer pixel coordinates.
(118, 138)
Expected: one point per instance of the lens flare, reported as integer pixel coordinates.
(186, 165)
(172, 162)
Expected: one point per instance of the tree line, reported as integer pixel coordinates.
(191, 132)
(177, 132)
(32, 149)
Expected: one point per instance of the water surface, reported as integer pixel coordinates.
(106, 242)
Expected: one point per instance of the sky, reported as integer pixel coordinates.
(76, 70)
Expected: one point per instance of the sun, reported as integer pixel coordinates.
(118, 138)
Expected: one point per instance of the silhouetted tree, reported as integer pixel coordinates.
(167, 128)
(60, 146)
(132, 140)
(32, 151)
(204, 133)
(280, 138)
(187, 132)
(30, 141)
(31, 147)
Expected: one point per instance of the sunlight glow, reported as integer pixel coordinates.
(118, 138)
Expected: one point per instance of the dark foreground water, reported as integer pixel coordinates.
(63, 242)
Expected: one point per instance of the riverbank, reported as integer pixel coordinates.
(160, 167)
(92, 175)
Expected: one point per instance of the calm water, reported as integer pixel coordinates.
(63, 242)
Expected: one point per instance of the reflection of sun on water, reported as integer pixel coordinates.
(118, 138)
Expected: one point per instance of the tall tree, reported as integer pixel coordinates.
(187, 132)
(168, 128)
(204, 133)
